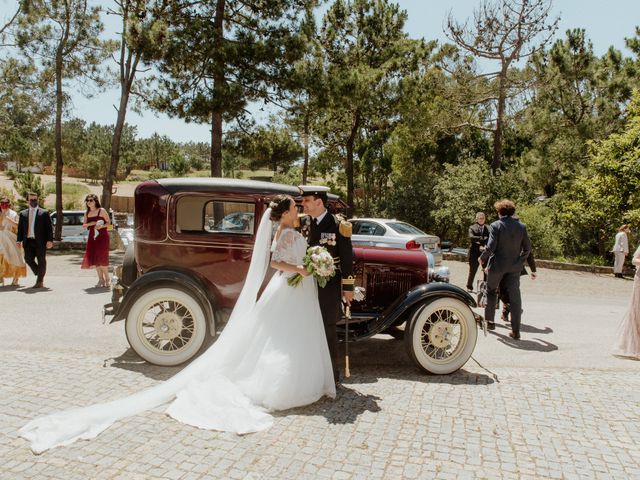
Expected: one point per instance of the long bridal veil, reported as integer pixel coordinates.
(66, 427)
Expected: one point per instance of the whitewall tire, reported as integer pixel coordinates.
(441, 335)
(166, 326)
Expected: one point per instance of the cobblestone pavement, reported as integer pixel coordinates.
(555, 405)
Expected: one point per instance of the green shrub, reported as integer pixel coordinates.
(155, 174)
(69, 189)
(28, 182)
(179, 165)
(291, 177)
(7, 192)
(542, 227)
(11, 174)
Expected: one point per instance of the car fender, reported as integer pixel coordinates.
(419, 295)
(163, 278)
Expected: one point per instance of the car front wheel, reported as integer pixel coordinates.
(441, 335)
(166, 326)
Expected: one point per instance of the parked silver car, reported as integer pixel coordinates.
(72, 229)
(383, 232)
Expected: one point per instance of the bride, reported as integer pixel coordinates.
(272, 355)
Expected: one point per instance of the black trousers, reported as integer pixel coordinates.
(509, 283)
(35, 256)
(473, 268)
(330, 307)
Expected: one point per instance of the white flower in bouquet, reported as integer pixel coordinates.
(319, 263)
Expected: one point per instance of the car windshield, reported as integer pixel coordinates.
(401, 227)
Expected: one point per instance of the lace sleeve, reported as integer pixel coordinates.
(285, 250)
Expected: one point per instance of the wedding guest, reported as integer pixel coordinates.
(503, 258)
(504, 297)
(620, 250)
(35, 237)
(11, 262)
(96, 220)
(628, 342)
(478, 236)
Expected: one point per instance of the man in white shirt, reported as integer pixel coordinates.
(35, 236)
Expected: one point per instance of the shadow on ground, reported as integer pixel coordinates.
(129, 360)
(531, 344)
(371, 359)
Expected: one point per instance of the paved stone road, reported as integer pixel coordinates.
(555, 405)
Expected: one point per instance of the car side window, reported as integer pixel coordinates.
(229, 217)
(369, 228)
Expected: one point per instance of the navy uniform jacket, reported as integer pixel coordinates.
(335, 235)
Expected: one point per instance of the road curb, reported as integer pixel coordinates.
(552, 264)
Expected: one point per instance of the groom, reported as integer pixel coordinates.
(320, 227)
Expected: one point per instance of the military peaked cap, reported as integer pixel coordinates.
(317, 190)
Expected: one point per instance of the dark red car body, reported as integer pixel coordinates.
(211, 265)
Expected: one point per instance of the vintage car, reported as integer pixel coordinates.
(193, 244)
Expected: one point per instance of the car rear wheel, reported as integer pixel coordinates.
(440, 337)
(166, 326)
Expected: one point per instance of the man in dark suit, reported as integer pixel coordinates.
(503, 258)
(35, 236)
(478, 236)
(322, 228)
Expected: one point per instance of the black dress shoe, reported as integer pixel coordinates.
(491, 325)
(515, 336)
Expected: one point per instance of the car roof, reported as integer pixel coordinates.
(217, 184)
(380, 220)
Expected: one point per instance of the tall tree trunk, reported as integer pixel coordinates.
(112, 171)
(216, 144)
(58, 145)
(305, 139)
(497, 134)
(218, 82)
(349, 166)
(128, 71)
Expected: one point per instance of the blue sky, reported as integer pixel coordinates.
(606, 23)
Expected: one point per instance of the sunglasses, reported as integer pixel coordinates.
(92, 201)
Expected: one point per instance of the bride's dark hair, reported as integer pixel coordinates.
(279, 205)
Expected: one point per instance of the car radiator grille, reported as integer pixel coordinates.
(388, 284)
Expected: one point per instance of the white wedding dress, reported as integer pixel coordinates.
(272, 355)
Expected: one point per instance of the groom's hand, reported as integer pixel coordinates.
(348, 297)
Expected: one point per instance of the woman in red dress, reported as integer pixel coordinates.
(96, 220)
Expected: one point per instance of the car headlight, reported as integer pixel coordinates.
(440, 274)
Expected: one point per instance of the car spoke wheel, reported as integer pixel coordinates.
(166, 326)
(441, 336)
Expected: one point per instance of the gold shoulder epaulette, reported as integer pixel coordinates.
(345, 229)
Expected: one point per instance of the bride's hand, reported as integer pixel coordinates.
(303, 271)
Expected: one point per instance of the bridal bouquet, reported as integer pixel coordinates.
(319, 263)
